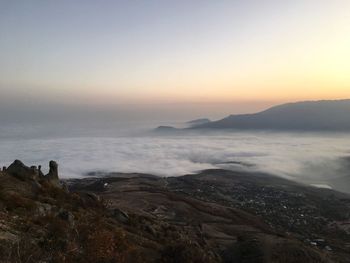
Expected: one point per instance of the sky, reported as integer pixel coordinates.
(235, 55)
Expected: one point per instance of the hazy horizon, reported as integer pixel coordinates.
(248, 53)
(156, 113)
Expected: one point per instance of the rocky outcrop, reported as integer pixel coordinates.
(40, 222)
(52, 176)
(23, 172)
(19, 170)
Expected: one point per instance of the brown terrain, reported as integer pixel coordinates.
(213, 216)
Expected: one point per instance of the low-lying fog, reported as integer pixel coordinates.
(313, 158)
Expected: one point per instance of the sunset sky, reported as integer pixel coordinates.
(119, 52)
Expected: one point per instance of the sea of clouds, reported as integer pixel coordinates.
(307, 157)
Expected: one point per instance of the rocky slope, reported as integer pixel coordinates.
(214, 216)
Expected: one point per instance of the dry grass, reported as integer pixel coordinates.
(12, 201)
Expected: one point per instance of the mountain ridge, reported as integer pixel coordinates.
(327, 115)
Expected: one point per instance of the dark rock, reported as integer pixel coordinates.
(41, 175)
(52, 176)
(120, 215)
(21, 171)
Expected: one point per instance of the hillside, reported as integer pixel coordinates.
(214, 216)
(310, 115)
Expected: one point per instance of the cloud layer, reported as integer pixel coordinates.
(313, 158)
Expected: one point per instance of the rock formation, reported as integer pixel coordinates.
(23, 172)
(52, 176)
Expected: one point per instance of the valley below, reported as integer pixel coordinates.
(213, 216)
(236, 216)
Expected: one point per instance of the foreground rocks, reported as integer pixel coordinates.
(19, 170)
(40, 221)
(214, 216)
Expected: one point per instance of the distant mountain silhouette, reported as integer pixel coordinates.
(198, 121)
(327, 115)
(165, 130)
